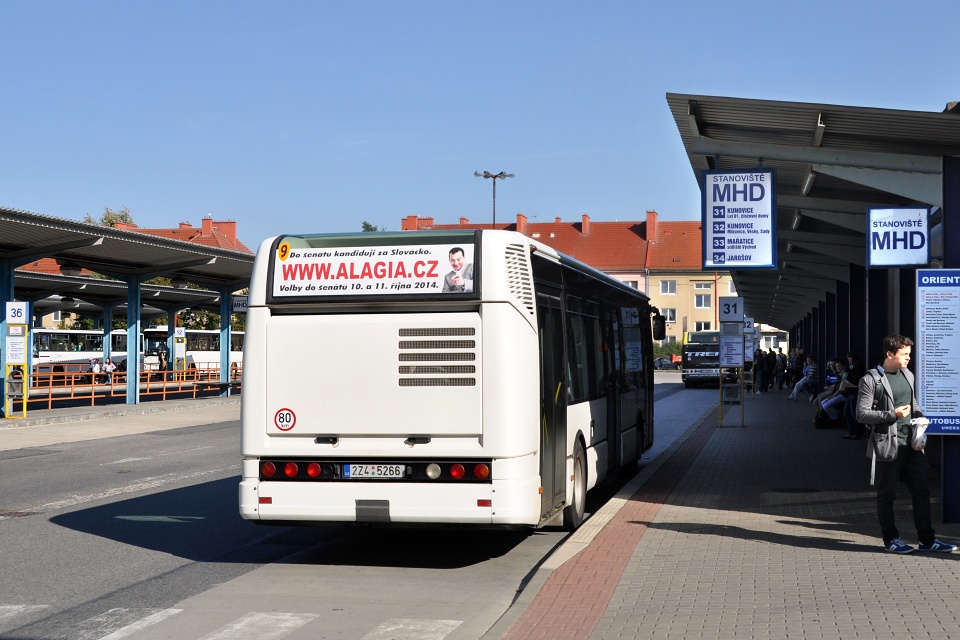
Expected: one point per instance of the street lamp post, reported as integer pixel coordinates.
(494, 177)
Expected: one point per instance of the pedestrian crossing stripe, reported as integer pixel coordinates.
(263, 626)
(405, 629)
(120, 623)
(11, 611)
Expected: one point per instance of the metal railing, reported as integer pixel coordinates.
(49, 390)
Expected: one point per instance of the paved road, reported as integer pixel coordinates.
(138, 536)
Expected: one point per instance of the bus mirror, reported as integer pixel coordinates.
(659, 327)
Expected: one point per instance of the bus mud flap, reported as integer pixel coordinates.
(373, 511)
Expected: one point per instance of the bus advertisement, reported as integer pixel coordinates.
(438, 378)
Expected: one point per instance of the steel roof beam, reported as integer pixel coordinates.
(920, 186)
(818, 155)
(825, 204)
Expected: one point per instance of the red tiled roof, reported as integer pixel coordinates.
(214, 238)
(678, 246)
(48, 266)
(608, 246)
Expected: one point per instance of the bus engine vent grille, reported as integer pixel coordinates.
(437, 359)
(437, 331)
(519, 278)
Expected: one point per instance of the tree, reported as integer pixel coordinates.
(110, 218)
(367, 227)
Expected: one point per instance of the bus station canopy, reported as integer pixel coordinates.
(832, 163)
(118, 254)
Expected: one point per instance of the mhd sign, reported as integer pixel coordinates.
(739, 219)
(898, 237)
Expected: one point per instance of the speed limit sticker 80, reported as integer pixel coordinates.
(284, 419)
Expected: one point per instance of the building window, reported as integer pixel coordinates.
(731, 288)
(669, 314)
(632, 283)
(668, 340)
(702, 285)
(703, 326)
(668, 287)
(702, 301)
(55, 316)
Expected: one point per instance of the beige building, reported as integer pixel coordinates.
(688, 299)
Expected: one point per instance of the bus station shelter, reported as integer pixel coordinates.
(832, 164)
(127, 259)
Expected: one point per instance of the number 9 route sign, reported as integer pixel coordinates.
(285, 419)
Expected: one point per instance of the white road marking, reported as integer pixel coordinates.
(11, 611)
(141, 624)
(401, 629)
(143, 485)
(118, 623)
(262, 626)
(160, 454)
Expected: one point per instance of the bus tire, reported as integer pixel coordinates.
(573, 513)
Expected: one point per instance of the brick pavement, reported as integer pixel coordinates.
(767, 531)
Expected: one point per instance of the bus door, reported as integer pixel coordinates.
(553, 405)
(611, 368)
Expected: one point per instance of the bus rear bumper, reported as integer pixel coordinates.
(510, 503)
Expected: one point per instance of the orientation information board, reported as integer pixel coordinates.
(937, 352)
(738, 211)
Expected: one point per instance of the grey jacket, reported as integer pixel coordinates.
(883, 415)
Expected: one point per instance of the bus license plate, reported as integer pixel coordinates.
(376, 471)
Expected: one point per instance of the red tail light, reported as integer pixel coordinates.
(268, 469)
(481, 471)
(457, 471)
(313, 470)
(290, 469)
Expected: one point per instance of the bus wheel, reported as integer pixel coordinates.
(574, 512)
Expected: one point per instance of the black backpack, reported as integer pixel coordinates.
(822, 420)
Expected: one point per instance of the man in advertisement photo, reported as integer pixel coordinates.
(461, 278)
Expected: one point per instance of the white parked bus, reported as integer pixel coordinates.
(202, 348)
(66, 350)
(384, 385)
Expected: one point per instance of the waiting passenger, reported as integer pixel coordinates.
(108, 368)
(833, 404)
(808, 383)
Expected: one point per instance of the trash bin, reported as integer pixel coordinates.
(15, 389)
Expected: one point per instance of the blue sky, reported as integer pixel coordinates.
(293, 117)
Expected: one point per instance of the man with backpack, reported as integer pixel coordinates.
(886, 403)
(781, 369)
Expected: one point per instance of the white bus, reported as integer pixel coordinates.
(66, 350)
(381, 388)
(202, 348)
